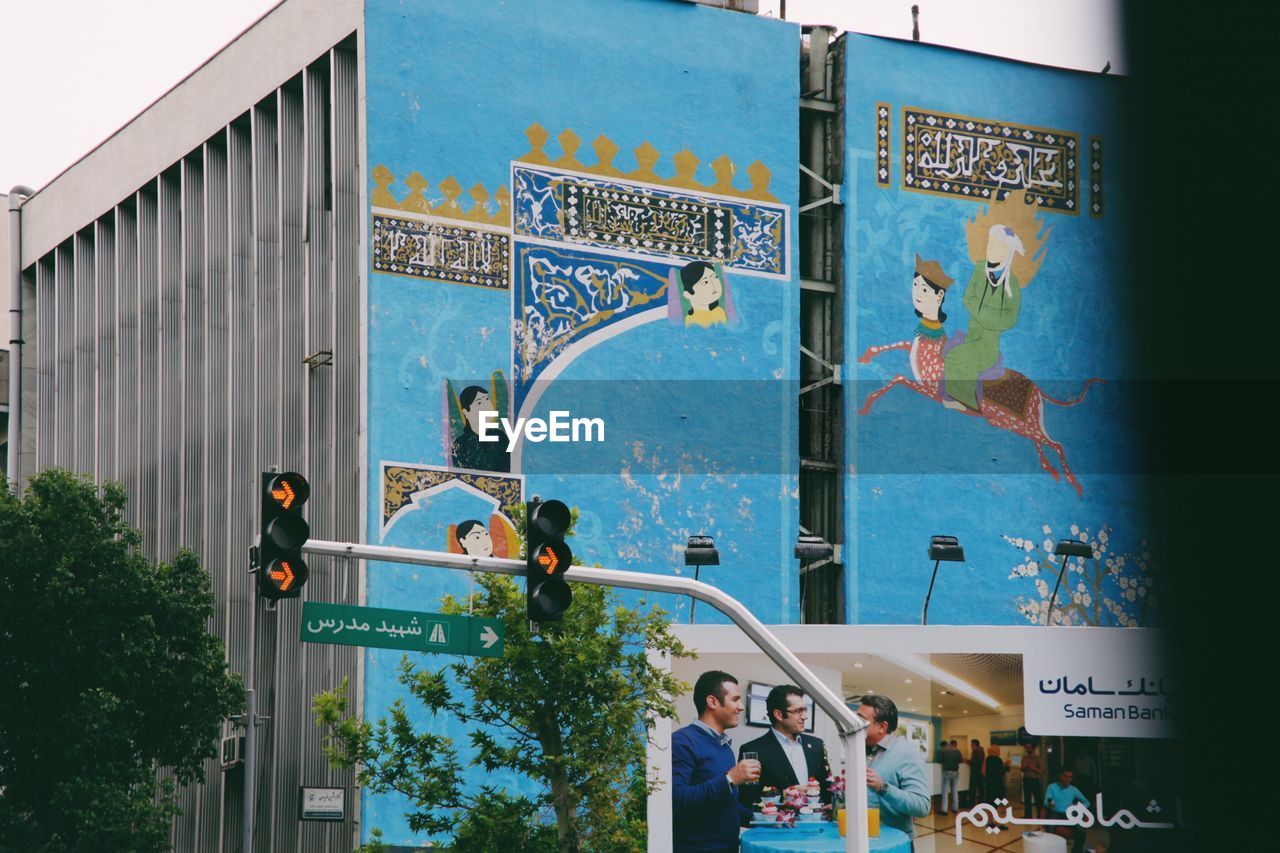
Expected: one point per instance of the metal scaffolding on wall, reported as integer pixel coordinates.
(821, 231)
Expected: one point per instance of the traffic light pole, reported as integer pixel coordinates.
(852, 728)
(277, 571)
(250, 767)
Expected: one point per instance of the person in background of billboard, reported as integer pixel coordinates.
(1059, 797)
(949, 757)
(1085, 769)
(993, 777)
(1032, 771)
(896, 778)
(977, 761)
(704, 777)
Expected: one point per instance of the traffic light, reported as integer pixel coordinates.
(547, 558)
(281, 569)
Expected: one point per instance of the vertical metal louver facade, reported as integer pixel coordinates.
(168, 342)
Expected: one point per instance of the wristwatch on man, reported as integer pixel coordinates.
(884, 786)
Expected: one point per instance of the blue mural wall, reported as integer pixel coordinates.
(995, 186)
(589, 207)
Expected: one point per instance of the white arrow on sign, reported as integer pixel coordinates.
(488, 637)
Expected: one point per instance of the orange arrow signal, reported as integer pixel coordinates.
(548, 560)
(283, 576)
(283, 494)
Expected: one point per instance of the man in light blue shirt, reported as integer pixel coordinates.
(896, 779)
(1059, 797)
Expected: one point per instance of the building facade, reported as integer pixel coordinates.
(364, 224)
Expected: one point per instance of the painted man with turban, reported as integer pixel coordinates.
(993, 298)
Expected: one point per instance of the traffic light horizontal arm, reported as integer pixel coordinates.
(833, 705)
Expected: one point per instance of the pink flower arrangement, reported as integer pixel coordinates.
(795, 798)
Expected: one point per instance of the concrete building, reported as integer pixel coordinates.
(724, 235)
(175, 279)
(4, 351)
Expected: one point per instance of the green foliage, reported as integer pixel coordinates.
(499, 821)
(569, 707)
(107, 673)
(392, 756)
(376, 844)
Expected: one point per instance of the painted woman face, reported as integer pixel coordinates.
(926, 299)
(479, 404)
(706, 290)
(477, 543)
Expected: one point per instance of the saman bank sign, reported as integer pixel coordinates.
(1100, 683)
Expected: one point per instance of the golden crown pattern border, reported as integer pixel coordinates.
(494, 208)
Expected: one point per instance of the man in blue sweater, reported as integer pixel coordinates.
(704, 777)
(895, 767)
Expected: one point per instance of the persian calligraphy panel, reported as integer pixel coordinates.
(649, 221)
(985, 160)
(441, 250)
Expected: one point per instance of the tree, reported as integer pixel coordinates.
(107, 673)
(1109, 590)
(569, 708)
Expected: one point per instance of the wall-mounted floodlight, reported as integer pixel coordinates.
(700, 551)
(942, 549)
(946, 549)
(810, 547)
(1065, 548)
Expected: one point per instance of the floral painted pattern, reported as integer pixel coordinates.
(1109, 590)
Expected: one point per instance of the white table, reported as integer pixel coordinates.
(1043, 842)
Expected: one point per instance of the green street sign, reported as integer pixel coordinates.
(408, 630)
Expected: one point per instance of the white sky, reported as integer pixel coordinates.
(73, 72)
(1081, 34)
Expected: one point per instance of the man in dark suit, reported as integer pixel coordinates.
(977, 764)
(704, 777)
(788, 756)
